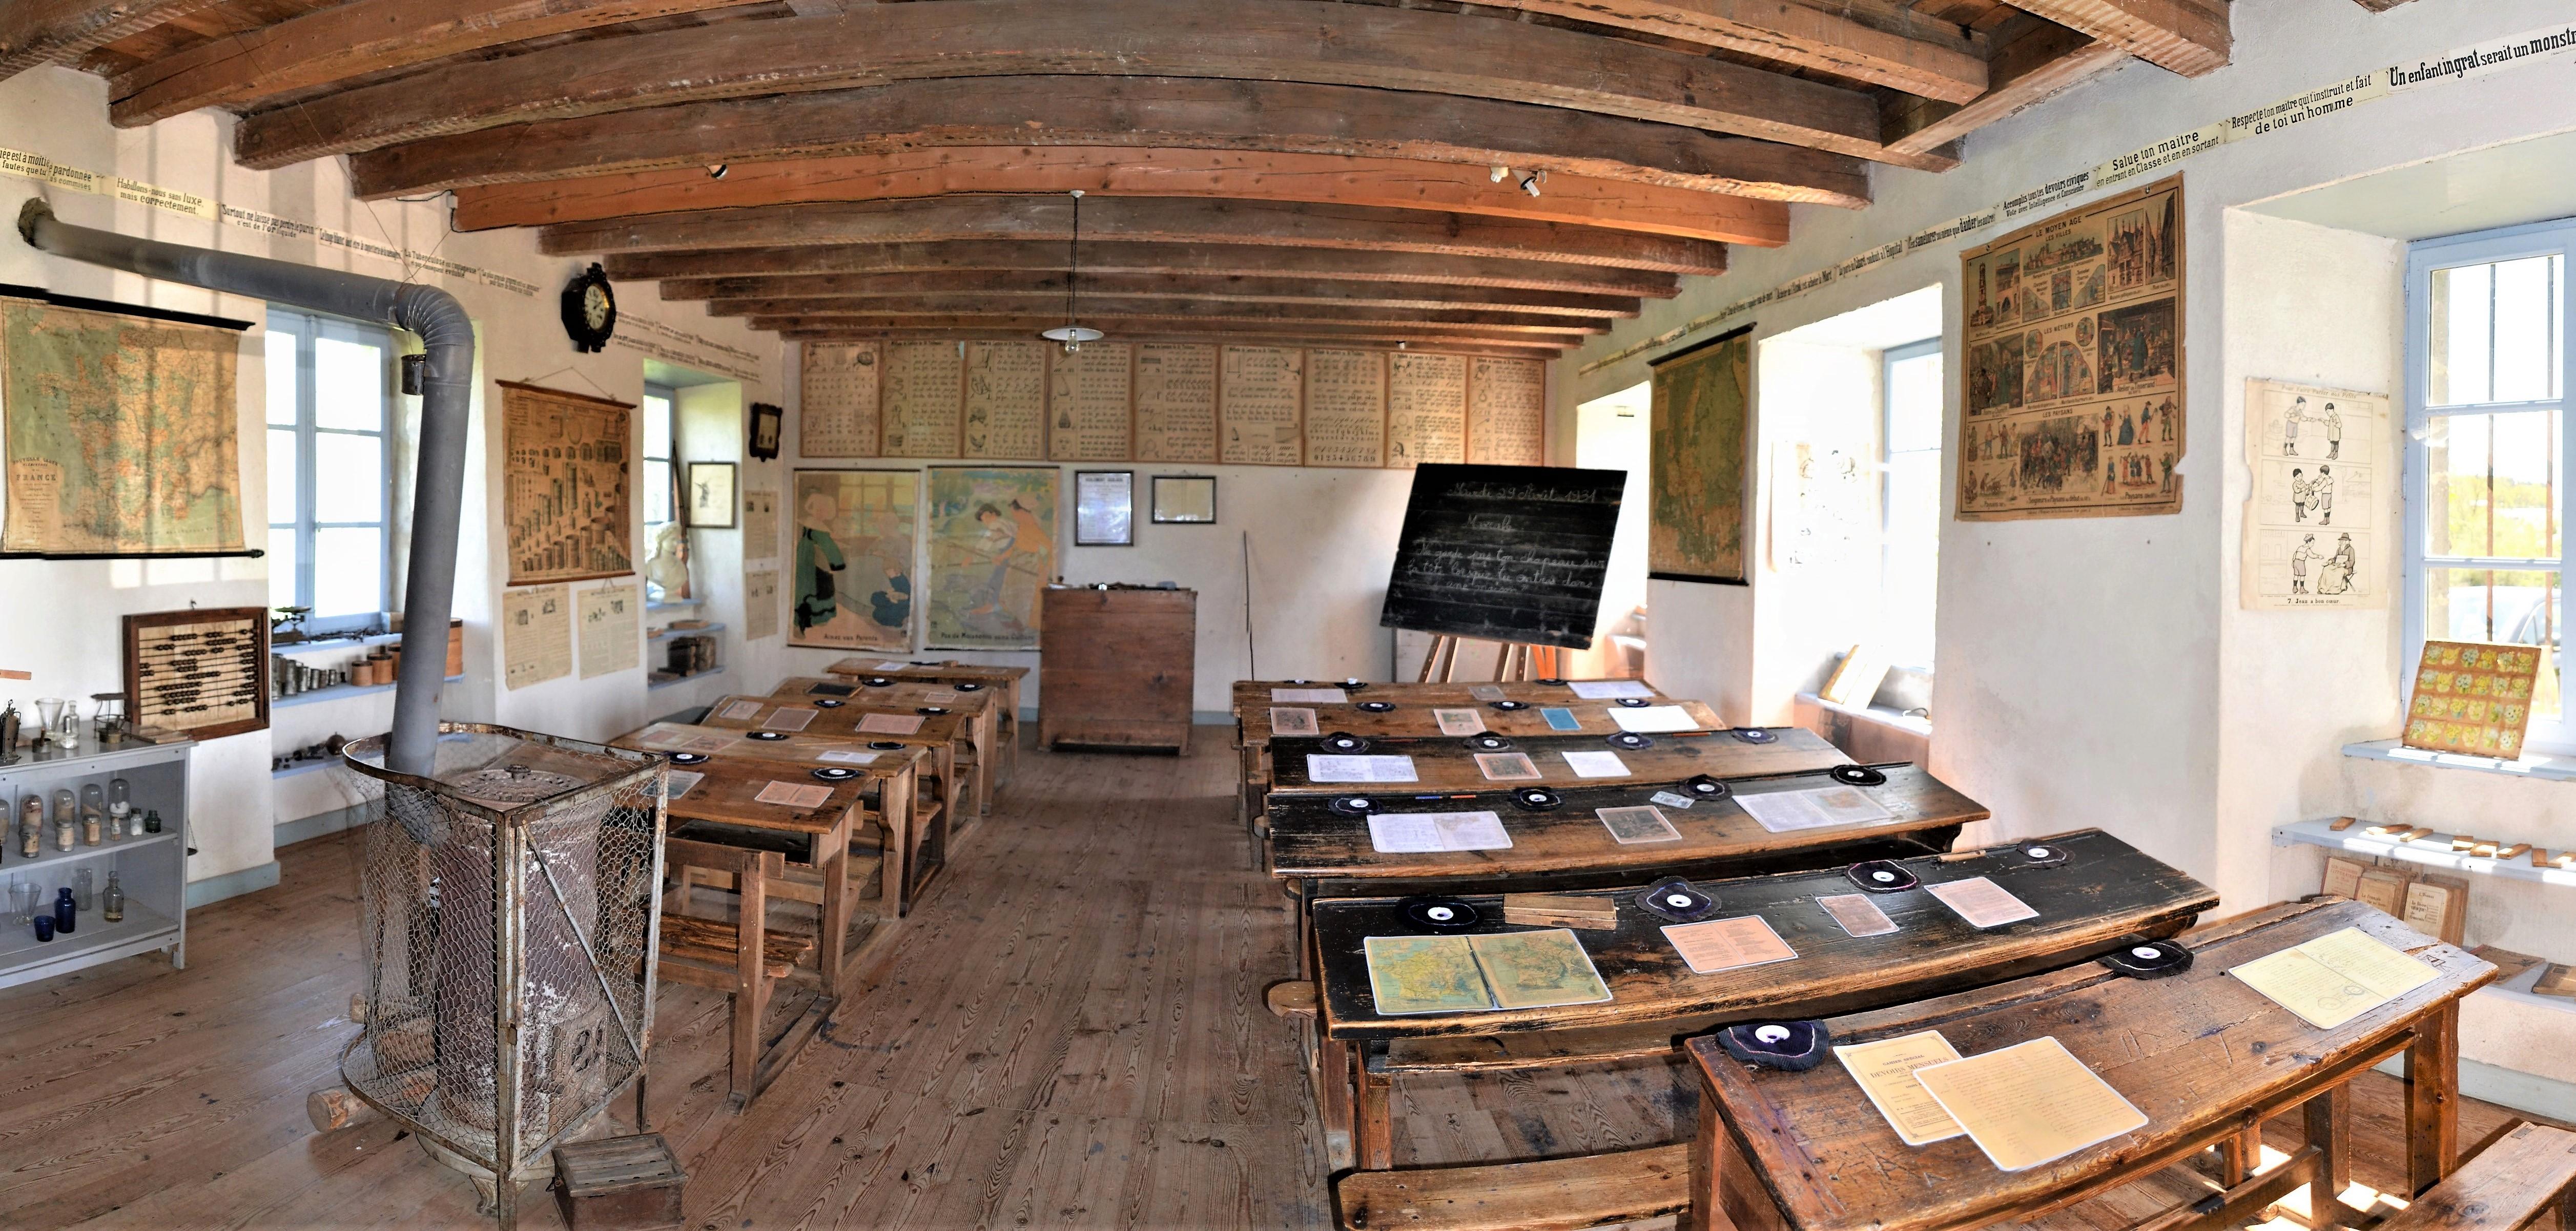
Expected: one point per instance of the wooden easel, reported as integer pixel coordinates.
(1518, 661)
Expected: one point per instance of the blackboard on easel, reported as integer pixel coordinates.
(1505, 553)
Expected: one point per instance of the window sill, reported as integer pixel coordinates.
(2543, 765)
(660, 604)
(1911, 723)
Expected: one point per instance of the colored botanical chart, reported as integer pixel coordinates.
(121, 433)
(850, 559)
(992, 551)
(2473, 697)
(1696, 457)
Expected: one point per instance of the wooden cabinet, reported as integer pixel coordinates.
(1115, 667)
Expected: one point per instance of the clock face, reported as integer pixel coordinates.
(595, 306)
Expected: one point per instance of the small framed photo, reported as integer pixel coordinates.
(765, 420)
(710, 495)
(1104, 508)
(1185, 499)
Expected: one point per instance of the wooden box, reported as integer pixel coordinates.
(1115, 667)
(619, 1183)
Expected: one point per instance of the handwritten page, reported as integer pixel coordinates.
(744, 708)
(1595, 764)
(1321, 768)
(1311, 696)
(677, 782)
(924, 388)
(1884, 1070)
(1610, 690)
(1856, 914)
(1982, 902)
(2030, 1104)
(890, 724)
(661, 737)
(1006, 387)
(1506, 412)
(1534, 970)
(1788, 811)
(1089, 417)
(1653, 718)
(785, 719)
(839, 414)
(1459, 722)
(1638, 824)
(843, 756)
(1728, 944)
(1258, 403)
(1506, 767)
(1413, 833)
(794, 794)
(1345, 408)
(1176, 403)
(2334, 978)
(1487, 692)
(1292, 720)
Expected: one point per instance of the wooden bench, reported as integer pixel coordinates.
(717, 943)
(2509, 1185)
(1558, 1194)
(724, 957)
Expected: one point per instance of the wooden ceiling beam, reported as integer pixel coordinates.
(354, 40)
(2033, 64)
(2191, 37)
(34, 32)
(953, 259)
(1930, 61)
(1522, 349)
(1278, 40)
(1161, 220)
(1168, 112)
(1123, 326)
(947, 307)
(1048, 287)
(1323, 179)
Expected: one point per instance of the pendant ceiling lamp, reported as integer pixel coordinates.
(1072, 333)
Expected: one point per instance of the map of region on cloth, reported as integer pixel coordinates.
(121, 433)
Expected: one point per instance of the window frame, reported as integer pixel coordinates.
(672, 485)
(2423, 258)
(309, 328)
(1888, 358)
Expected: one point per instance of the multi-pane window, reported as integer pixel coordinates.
(1910, 500)
(660, 487)
(2486, 445)
(329, 498)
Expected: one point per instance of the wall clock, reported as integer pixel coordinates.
(589, 310)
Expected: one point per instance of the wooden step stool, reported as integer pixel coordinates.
(2509, 1185)
(619, 1184)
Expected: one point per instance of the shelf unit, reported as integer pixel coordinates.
(2432, 851)
(152, 869)
(337, 692)
(677, 680)
(666, 632)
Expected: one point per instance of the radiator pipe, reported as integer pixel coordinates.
(429, 593)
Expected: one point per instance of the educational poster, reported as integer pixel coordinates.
(612, 626)
(536, 635)
(923, 396)
(759, 525)
(1696, 461)
(121, 433)
(1345, 408)
(1506, 412)
(850, 567)
(992, 552)
(1259, 406)
(566, 497)
(2472, 697)
(1087, 404)
(1176, 403)
(839, 415)
(2323, 497)
(759, 604)
(1005, 401)
(2071, 396)
(1426, 409)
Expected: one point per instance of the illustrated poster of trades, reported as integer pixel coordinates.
(2071, 390)
(2322, 500)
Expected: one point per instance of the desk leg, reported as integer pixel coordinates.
(1702, 1213)
(894, 816)
(2329, 1129)
(2432, 1099)
(1334, 1099)
(983, 738)
(2240, 1156)
(1738, 1201)
(1374, 1117)
(835, 910)
(1302, 907)
(751, 977)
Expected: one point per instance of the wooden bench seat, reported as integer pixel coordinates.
(712, 942)
(2508, 1185)
(1533, 1050)
(1558, 1194)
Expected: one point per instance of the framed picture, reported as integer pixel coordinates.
(710, 495)
(1185, 499)
(764, 431)
(1104, 508)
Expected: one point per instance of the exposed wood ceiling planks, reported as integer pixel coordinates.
(690, 267)
(1005, 285)
(2191, 37)
(34, 32)
(1795, 34)
(2041, 62)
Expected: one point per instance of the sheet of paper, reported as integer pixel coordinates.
(1884, 1071)
(790, 720)
(1982, 902)
(1532, 970)
(1292, 720)
(1459, 722)
(1506, 767)
(2343, 878)
(536, 635)
(794, 794)
(2334, 978)
(1424, 974)
(1595, 764)
(1638, 824)
(712, 741)
(1670, 800)
(1321, 768)
(677, 782)
(1310, 696)
(839, 756)
(658, 736)
(1486, 692)
(2029, 1104)
(1653, 718)
(1728, 944)
(1412, 833)
(939, 696)
(892, 665)
(2381, 967)
(1560, 718)
(1610, 690)
(890, 724)
(1787, 811)
(610, 621)
(1856, 914)
(745, 708)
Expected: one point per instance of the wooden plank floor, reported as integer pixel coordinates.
(1069, 1034)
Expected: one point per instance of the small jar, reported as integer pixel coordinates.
(85, 889)
(66, 820)
(31, 825)
(93, 812)
(152, 820)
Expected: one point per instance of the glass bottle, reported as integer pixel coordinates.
(93, 806)
(120, 810)
(66, 819)
(65, 911)
(111, 901)
(85, 889)
(152, 820)
(31, 825)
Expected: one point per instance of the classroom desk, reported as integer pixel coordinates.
(950, 671)
(944, 734)
(2204, 1056)
(981, 706)
(2102, 892)
(1250, 696)
(915, 827)
(1442, 763)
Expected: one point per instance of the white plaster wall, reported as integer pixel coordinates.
(1817, 605)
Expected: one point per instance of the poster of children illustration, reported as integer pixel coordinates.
(2072, 393)
(992, 552)
(2317, 519)
(850, 553)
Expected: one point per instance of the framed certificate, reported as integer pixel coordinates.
(1184, 499)
(1104, 508)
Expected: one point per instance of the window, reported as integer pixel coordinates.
(329, 498)
(660, 486)
(2486, 444)
(1910, 499)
